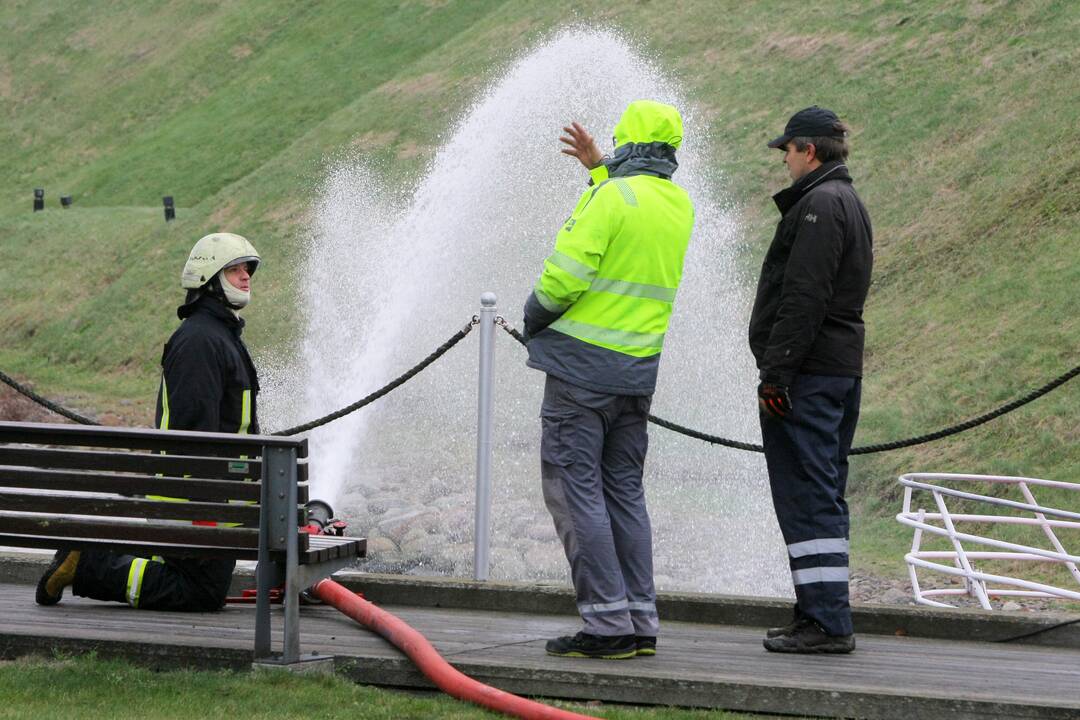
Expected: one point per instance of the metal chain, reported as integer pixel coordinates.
(917, 440)
(689, 432)
(396, 382)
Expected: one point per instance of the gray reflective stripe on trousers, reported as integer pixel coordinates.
(807, 576)
(642, 608)
(618, 606)
(633, 289)
(607, 335)
(820, 546)
(579, 270)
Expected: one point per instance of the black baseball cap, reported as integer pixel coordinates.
(809, 122)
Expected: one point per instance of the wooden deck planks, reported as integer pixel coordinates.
(698, 664)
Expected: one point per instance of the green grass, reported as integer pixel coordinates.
(966, 121)
(82, 687)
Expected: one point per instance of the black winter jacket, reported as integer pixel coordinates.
(208, 379)
(807, 315)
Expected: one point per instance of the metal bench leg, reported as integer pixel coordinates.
(263, 577)
(291, 645)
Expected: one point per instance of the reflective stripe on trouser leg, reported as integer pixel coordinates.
(806, 455)
(570, 449)
(135, 580)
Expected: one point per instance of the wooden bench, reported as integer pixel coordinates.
(74, 486)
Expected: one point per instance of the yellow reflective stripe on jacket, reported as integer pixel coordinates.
(608, 336)
(633, 289)
(164, 405)
(579, 270)
(135, 580)
(245, 413)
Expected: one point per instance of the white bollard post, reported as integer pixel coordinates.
(484, 408)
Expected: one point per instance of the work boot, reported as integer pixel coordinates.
(791, 627)
(808, 638)
(646, 645)
(607, 647)
(60, 574)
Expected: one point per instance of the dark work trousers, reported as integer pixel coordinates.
(807, 456)
(186, 584)
(592, 454)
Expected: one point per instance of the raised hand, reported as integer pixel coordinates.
(581, 145)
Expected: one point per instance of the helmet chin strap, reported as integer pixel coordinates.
(235, 298)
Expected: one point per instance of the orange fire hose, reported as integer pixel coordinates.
(428, 660)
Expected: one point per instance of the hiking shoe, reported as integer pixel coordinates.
(809, 638)
(60, 574)
(646, 645)
(613, 647)
(788, 629)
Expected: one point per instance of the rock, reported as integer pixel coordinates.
(380, 546)
(894, 596)
(1011, 606)
(396, 525)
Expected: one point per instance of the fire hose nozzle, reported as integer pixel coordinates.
(319, 513)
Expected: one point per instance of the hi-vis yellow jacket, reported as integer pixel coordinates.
(600, 309)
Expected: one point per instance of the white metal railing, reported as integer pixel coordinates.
(960, 561)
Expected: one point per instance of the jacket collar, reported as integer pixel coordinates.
(786, 198)
(655, 158)
(210, 305)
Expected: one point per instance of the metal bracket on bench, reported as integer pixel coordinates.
(277, 533)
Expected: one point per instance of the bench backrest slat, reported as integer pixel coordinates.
(129, 508)
(221, 490)
(207, 467)
(174, 442)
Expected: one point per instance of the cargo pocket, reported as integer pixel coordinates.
(553, 448)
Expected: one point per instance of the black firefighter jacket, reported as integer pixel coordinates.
(807, 316)
(208, 378)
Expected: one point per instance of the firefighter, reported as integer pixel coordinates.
(596, 320)
(208, 383)
(806, 332)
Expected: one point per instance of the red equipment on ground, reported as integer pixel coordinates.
(428, 660)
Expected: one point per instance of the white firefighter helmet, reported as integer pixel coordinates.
(215, 252)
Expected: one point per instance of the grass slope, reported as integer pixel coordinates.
(966, 119)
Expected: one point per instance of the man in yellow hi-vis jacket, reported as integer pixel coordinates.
(596, 321)
(208, 383)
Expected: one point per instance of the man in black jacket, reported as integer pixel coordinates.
(208, 383)
(806, 333)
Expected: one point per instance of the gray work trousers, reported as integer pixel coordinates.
(592, 454)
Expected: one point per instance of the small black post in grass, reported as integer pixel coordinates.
(65, 201)
(170, 211)
(39, 199)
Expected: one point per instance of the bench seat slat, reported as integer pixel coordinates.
(334, 547)
(138, 549)
(130, 532)
(129, 507)
(220, 490)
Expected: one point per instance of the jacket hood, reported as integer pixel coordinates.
(647, 121)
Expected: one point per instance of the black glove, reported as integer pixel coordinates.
(774, 400)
